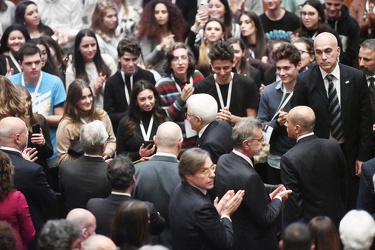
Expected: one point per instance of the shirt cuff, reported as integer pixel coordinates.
(226, 216)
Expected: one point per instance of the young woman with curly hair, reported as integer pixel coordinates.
(161, 24)
(104, 22)
(144, 115)
(79, 109)
(90, 65)
(13, 205)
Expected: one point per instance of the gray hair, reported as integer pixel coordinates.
(243, 130)
(93, 136)
(58, 235)
(357, 230)
(204, 106)
(368, 44)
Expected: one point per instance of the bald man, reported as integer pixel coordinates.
(85, 219)
(157, 178)
(350, 85)
(314, 169)
(98, 242)
(29, 177)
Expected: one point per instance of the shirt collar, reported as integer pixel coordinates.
(164, 154)
(305, 135)
(243, 156)
(335, 72)
(119, 193)
(10, 149)
(202, 130)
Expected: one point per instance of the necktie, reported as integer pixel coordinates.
(127, 82)
(335, 110)
(372, 97)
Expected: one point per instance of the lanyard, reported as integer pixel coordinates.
(220, 95)
(33, 95)
(15, 61)
(178, 86)
(146, 137)
(127, 98)
(282, 104)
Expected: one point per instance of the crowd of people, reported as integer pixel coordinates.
(200, 124)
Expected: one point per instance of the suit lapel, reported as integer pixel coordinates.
(344, 91)
(206, 131)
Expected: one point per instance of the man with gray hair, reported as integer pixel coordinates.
(157, 177)
(366, 62)
(85, 178)
(357, 230)
(254, 222)
(213, 136)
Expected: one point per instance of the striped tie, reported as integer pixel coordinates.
(334, 109)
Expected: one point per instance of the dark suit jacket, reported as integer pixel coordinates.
(195, 223)
(216, 139)
(83, 179)
(115, 102)
(156, 180)
(366, 194)
(355, 109)
(104, 211)
(254, 222)
(315, 170)
(30, 179)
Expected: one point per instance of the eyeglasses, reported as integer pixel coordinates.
(262, 139)
(310, 14)
(302, 51)
(177, 59)
(207, 170)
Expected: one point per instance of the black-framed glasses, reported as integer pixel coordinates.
(262, 139)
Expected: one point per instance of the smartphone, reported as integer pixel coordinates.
(36, 128)
(203, 6)
(149, 142)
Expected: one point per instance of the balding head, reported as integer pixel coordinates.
(85, 219)
(168, 138)
(13, 133)
(98, 242)
(327, 51)
(300, 121)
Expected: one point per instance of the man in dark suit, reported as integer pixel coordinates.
(338, 94)
(366, 193)
(255, 221)
(120, 174)
(85, 178)
(29, 177)
(158, 177)
(315, 169)
(213, 136)
(118, 87)
(196, 223)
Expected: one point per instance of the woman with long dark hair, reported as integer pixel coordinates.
(254, 38)
(138, 127)
(90, 65)
(13, 205)
(57, 54)
(27, 14)
(161, 24)
(79, 109)
(48, 64)
(130, 228)
(13, 38)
